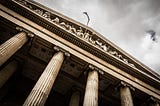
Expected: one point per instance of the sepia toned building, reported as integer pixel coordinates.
(49, 59)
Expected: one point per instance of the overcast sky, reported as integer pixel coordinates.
(124, 22)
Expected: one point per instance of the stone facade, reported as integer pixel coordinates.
(49, 59)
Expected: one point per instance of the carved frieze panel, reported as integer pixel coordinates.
(82, 33)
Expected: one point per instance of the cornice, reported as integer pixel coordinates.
(79, 35)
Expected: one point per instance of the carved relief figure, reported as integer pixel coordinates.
(86, 35)
(47, 15)
(125, 60)
(25, 3)
(119, 56)
(91, 39)
(80, 32)
(22, 2)
(105, 48)
(40, 12)
(98, 43)
(64, 25)
(113, 53)
(132, 65)
(56, 20)
(72, 29)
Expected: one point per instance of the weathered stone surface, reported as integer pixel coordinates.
(126, 97)
(91, 92)
(41, 90)
(7, 72)
(75, 99)
(12, 45)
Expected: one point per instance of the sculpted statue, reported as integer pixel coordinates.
(98, 43)
(119, 56)
(29, 6)
(132, 65)
(56, 20)
(91, 39)
(80, 33)
(47, 15)
(40, 12)
(125, 60)
(72, 29)
(113, 53)
(64, 25)
(86, 35)
(105, 48)
(22, 2)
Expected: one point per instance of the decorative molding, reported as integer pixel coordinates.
(80, 32)
(29, 33)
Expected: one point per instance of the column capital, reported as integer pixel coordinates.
(155, 100)
(124, 84)
(66, 53)
(75, 88)
(29, 33)
(92, 67)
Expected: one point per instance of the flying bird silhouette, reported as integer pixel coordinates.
(153, 34)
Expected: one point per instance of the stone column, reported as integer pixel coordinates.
(12, 45)
(7, 72)
(41, 90)
(125, 94)
(75, 98)
(154, 104)
(91, 91)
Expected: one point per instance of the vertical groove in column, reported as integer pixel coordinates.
(41, 90)
(154, 104)
(75, 98)
(8, 48)
(126, 97)
(7, 72)
(91, 92)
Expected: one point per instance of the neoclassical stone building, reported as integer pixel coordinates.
(49, 59)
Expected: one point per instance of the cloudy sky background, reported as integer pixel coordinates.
(124, 22)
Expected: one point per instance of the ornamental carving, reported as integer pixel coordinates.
(84, 34)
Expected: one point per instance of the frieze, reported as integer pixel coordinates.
(84, 34)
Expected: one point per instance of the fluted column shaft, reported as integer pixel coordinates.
(7, 72)
(126, 97)
(154, 104)
(41, 90)
(75, 98)
(91, 91)
(8, 48)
